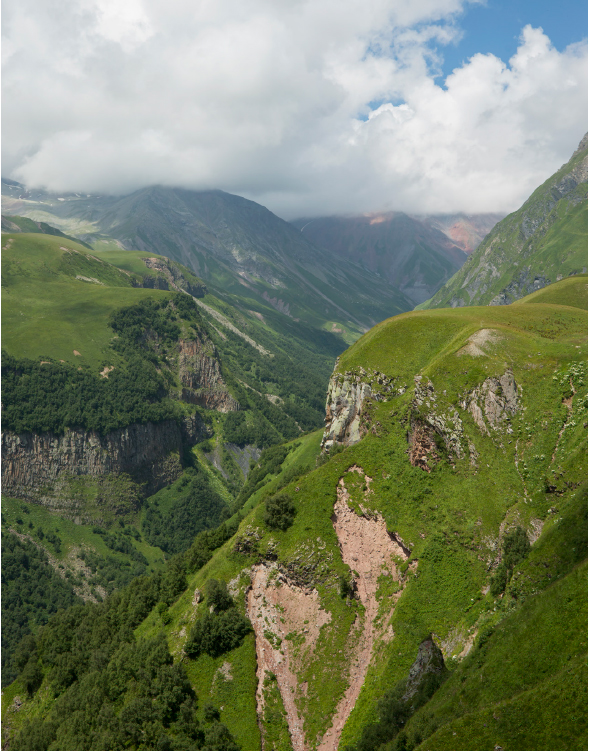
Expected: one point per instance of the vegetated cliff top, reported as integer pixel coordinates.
(482, 434)
(542, 242)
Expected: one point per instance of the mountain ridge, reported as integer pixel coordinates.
(546, 239)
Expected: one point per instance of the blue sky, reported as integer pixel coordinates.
(495, 27)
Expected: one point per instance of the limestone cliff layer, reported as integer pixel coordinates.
(39, 467)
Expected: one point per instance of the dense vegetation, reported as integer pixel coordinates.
(279, 512)
(31, 592)
(175, 516)
(113, 690)
(54, 396)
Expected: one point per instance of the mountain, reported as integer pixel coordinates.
(234, 244)
(542, 242)
(414, 576)
(22, 224)
(465, 230)
(408, 253)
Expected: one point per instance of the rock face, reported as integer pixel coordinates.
(200, 375)
(429, 660)
(343, 411)
(430, 420)
(170, 276)
(493, 403)
(39, 467)
(347, 393)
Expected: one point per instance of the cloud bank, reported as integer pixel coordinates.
(307, 106)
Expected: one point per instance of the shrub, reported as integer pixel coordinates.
(217, 595)
(279, 512)
(215, 634)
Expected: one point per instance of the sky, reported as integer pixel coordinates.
(310, 107)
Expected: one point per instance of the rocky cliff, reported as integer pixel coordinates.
(200, 375)
(54, 470)
(347, 396)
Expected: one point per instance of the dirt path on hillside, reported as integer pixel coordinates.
(279, 608)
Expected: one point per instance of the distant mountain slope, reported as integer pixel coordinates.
(466, 231)
(409, 254)
(23, 224)
(542, 242)
(230, 242)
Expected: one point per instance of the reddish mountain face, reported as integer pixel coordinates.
(465, 231)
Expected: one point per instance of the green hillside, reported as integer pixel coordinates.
(236, 245)
(542, 242)
(90, 342)
(477, 439)
(572, 291)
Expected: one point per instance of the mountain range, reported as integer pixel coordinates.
(413, 254)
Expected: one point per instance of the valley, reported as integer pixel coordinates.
(253, 500)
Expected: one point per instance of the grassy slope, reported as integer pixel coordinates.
(47, 312)
(74, 537)
(558, 247)
(448, 517)
(572, 291)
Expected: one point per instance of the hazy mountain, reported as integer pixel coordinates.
(545, 240)
(412, 253)
(465, 230)
(231, 242)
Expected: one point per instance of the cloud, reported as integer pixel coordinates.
(307, 106)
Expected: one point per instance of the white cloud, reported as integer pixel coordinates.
(308, 106)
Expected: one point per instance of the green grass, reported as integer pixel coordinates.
(48, 313)
(450, 519)
(447, 517)
(572, 292)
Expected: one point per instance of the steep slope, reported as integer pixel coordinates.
(411, 255)
(141, 349)
(445, 509)
(230, 242)
(542, 242)
(115, 366)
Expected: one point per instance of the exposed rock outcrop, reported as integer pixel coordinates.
(170, 276)
(428, 661)
(347, 394)
(493, 403)
(429, 421)
(200, 375)
(41, 467)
